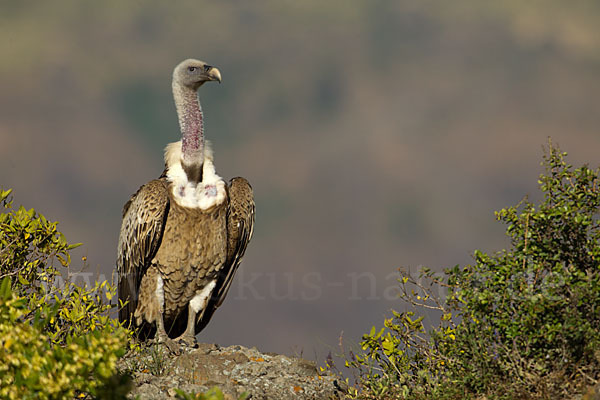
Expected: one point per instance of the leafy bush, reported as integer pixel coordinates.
(29, 245)
(56, 338)
(519, 323)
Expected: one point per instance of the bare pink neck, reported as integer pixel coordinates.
(191, 124)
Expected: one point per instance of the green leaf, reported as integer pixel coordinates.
(5, 290)
(22, 280)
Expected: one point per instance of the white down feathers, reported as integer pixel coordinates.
(204, 195)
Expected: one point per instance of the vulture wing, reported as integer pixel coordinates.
(240, 225)
(144, 218)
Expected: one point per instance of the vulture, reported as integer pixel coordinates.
(184, 234)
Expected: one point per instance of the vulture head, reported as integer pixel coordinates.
(193, 73)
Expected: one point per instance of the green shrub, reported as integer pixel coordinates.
(519, 323)
(57, 339)
(29, 246)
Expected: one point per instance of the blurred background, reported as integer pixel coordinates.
(376, 134)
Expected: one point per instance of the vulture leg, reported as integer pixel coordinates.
(161, 333)
(197, 304)
(188, 338)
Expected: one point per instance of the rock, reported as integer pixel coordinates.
(236, 369)
(592, 393)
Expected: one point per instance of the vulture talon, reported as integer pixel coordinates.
(187, 341)
(172, 346)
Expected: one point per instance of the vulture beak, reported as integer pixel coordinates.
(214, 74)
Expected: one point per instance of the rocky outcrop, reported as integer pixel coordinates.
(236, 369)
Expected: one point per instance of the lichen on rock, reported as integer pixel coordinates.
(234, 370)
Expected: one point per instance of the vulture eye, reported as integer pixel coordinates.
(191, 69)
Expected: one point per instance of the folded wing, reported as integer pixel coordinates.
(144, 218)
(240, 225)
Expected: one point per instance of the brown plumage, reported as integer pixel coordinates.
(183, 235)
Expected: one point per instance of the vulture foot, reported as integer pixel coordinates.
(161, 337)
(172, 345)
(187, 340)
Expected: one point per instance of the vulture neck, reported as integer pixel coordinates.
(189, 112)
